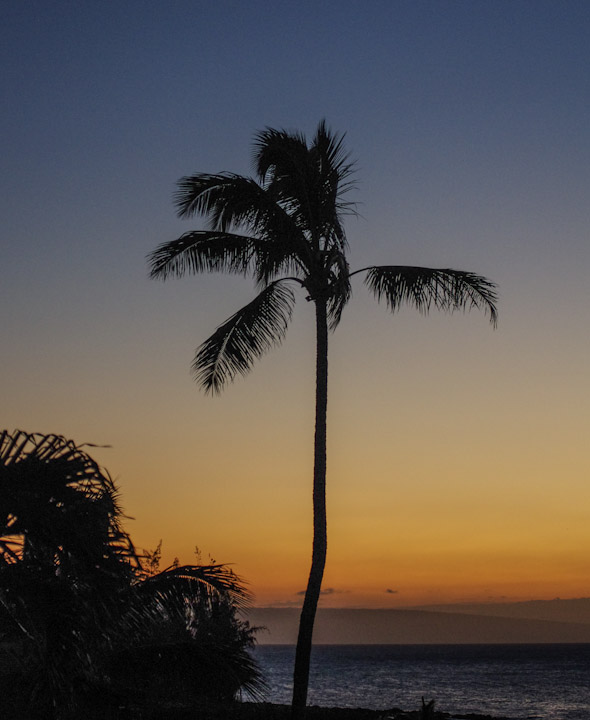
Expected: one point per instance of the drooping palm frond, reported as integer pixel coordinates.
(202, 251)
(229, 200)
(246, 336)
(211, 251)
(226, 198)
(202, 582)
(443, 289)
(339, 282)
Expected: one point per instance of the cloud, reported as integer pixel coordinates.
(389, 591)
(332, 591)
(327, 591)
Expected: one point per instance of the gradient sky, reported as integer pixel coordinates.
(458, 464)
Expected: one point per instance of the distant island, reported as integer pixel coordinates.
(538, 621)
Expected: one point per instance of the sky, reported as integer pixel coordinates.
(458, 460)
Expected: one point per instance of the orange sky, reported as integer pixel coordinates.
(452, 476)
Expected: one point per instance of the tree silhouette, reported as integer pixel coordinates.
(82, 615)
(285, 229)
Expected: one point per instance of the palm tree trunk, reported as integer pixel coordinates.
(320, 541)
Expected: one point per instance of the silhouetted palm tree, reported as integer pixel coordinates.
(77, 603)
(182, 637)
(284, 229)
(64, 559)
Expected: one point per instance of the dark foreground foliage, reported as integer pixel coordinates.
(98, 709)
(89, 628)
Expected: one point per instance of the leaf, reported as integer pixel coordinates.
(341, 290)
(202, 251)
(424, 288)
(247, 335)
(231, 200)
(203, 583)
(226, 197)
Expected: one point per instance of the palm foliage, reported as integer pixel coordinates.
(283, 228)
(425, 288)
(63, 558)
(189, 640)
(76, 598)
(290, 227)
(245, 336)
(57, 506)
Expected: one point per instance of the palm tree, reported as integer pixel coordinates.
(81, 610)
(182, 637)
(64, 559)
(284, 228)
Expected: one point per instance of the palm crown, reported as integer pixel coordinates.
(291, 233)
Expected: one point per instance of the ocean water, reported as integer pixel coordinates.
(541, 682)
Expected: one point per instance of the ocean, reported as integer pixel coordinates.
(524, 682)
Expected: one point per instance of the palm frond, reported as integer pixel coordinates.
(307, 181)
(202, 251)
(204, 583)
(340, 287)
(231, 200)
(247, 335)
(443, 289)
(57, 503)
(282, 152)
(275, 258)
(227, 198)
(285, 166)
(330, 147)
(334, 169)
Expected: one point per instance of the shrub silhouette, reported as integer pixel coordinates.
(76, 599)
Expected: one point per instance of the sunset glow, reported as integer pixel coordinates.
(458, 463)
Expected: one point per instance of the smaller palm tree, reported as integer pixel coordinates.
(76, 599)
(64, 558)
(182, 637)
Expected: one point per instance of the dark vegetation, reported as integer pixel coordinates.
(89, 627)
(284, 228)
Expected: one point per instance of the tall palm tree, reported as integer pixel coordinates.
(284, 228)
